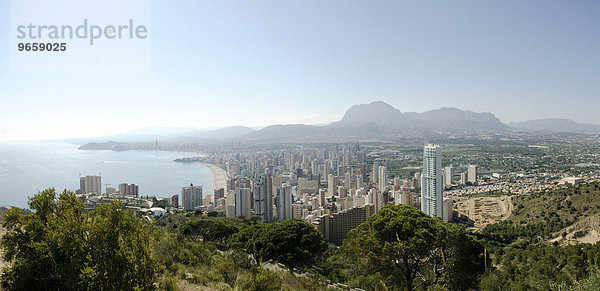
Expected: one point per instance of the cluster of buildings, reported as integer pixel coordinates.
(333, 188)
(92, 185)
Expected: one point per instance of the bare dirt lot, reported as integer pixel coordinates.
(484, 210)
(587, 230)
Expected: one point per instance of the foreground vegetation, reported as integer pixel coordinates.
(58, 245)
(527, 249)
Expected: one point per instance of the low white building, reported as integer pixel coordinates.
(157, 211)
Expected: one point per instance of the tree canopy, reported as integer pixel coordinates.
(402, 247)
(293, 242)
(60, 246)
(210, 228)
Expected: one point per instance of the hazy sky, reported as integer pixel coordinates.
(220, 63)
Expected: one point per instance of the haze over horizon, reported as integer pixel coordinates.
(218, 64)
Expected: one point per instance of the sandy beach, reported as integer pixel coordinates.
(219, 176)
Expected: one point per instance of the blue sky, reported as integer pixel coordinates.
(220, 63)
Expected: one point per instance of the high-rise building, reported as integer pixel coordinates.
(308, 186)
(331, 185)
(263, 198)
(218, 194)
(175, 200)
(110, 191)
(123, 189)
(363, 171)
(348, 180)
(334, 227)
(191, 197)
(326, 169)
(230, 184)
(238, 203)
(361, 157)
(126, 189)
(431, 185)
(448, 174)
(284, 202)
(383, 178)
(297, 210)
(417, 180)
(375, 197)
(342, 191)
(403, 197)
(81, 185)
(322, 198)
(463, 178)
(375, 172)
(448, 212)
(90, 185)
(472, 174)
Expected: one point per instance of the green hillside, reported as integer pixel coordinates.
(525, 254)
(538, 216)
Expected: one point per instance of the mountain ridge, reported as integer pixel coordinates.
(379, 119)
(556, 125)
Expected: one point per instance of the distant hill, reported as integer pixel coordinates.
(221, 133)
(454, 119)
(139, 135)
(374, 120)
(390, 119)
(378, 113)
(555, 125)
(111, 145)
(378, 119)
(192, 136)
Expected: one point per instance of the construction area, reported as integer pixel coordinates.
(484, 210)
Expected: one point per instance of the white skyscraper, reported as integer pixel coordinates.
(463, 178)
(331, 185)
(375, 172)
(431, 185)
(359, 181)
(448, 174)
(472, 174)
(347, 180)
(383, 178)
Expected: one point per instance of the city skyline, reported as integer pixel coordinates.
(300, 145)
(214, 61)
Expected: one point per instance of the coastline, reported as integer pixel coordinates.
(219, 175)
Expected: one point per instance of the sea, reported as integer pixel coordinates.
(26, 168)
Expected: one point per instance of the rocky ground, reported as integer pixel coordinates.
(484, 210)
(587, 230)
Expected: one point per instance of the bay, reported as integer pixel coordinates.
(26, 168)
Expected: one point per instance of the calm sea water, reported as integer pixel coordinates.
(26, 168)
